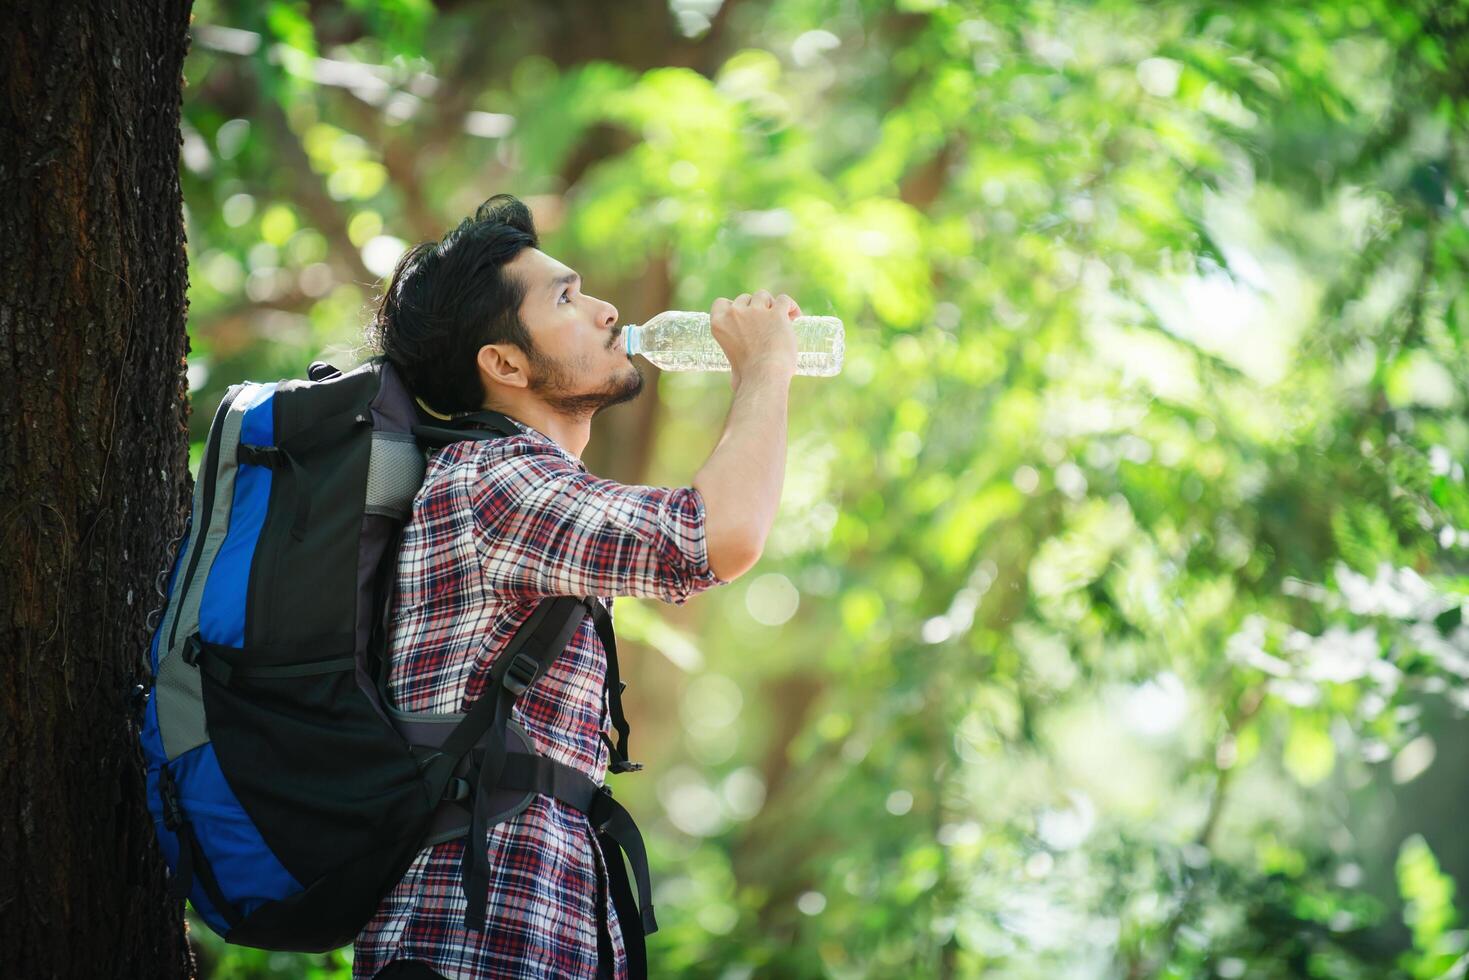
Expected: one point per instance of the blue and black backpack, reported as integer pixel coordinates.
(288, 794)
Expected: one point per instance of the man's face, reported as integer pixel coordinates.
(579, 366)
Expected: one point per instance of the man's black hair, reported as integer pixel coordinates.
(449, 298)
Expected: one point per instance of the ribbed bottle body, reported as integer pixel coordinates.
(678, 340)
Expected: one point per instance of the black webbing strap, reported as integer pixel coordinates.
(205, 873)
(539, 641)
(182, 880)
(634, 932)
(474, 866)
(606, 957)
(173, 819)
(207, 657)
(533, 641)
(191, 862)
(617, 835)
(224, 673)
(612, 688)
(277, 459)
(270, 457)
(551, 778)
(433, 432)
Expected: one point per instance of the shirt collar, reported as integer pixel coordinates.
(540, 436)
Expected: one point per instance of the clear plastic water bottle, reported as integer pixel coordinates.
(677, 340)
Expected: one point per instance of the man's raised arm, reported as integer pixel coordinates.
(742, 479)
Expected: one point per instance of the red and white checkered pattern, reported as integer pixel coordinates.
(497, 526)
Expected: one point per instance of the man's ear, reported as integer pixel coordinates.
(504, 364)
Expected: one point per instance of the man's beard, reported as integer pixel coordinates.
(555, 386)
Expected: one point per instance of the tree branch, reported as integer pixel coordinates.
(1244, 710)
(324, 213)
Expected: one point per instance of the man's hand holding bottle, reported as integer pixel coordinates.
(754, 330)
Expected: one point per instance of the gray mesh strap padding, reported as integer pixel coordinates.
(394, 474)
(180, 699)
(424, 727)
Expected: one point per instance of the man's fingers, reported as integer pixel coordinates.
(762, 297)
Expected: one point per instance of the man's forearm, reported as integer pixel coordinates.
(742, 479)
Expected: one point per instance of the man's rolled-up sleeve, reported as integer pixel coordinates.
(545, 527)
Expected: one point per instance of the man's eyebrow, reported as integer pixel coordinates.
(565, 280)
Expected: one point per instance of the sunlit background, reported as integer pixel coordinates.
(1111, 625)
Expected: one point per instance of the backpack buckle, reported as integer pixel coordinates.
(520, 674)
(619, 763)
(192, 648)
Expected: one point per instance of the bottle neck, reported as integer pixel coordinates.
(631, 339)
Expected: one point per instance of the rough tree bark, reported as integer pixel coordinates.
(93, 472)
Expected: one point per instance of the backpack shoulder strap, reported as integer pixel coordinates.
(542, 638)
(434, 432)
(538, 642)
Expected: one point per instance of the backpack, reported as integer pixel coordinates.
(287, 793)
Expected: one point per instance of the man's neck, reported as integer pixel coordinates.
(571, 435)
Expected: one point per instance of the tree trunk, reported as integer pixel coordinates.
(93, 472)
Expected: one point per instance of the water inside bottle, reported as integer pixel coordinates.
(699, 351)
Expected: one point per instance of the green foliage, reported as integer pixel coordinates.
(1114, 571)
(220, 961)
(1429, 911)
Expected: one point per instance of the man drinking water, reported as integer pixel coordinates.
(484, 320)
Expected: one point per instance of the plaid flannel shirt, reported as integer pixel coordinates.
(497, 526)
